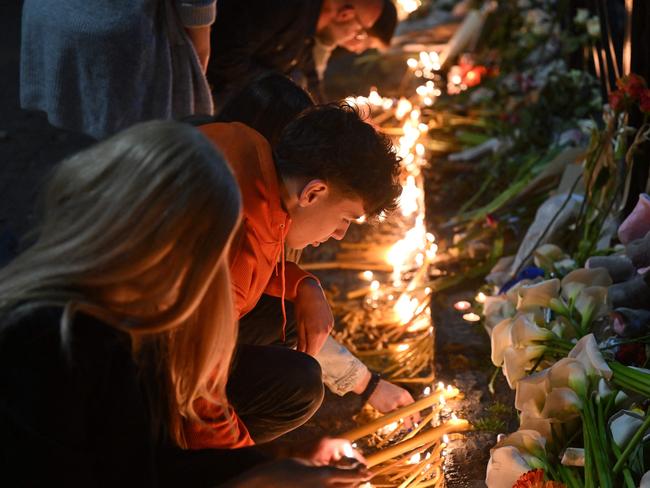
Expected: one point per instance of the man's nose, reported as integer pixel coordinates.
(340, 232)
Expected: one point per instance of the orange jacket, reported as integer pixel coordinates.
(257, 262)
(256, 259)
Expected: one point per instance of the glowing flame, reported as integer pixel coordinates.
(411, 197)
(462, 305)
(367, 275)
(405, 249)
(403, 107)
(405, 308)
(402, 347)
(480, 298)
(471, 317)
(427, 391)
(409, 6)
(348, 451)
(445, 439)
(414, 459)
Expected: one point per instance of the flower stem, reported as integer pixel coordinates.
(627, 475)
(632, 444)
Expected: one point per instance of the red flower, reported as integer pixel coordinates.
(632, 85)
(632, 354)
(617, 100)
(644, 101)
(535, 479)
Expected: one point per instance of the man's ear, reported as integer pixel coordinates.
(344, 13)
(312, 192)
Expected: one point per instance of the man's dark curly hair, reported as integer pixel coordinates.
(332, 142)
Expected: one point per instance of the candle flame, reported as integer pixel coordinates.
(471, 317)
(427, 391)
(367, 275)
(445, 439)
(414, 459)
(402, 347)
(480, 298)
(462, 305)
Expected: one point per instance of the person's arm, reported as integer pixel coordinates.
(197, 16)
(344, 373)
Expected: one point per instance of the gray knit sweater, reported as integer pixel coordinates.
(98, 66)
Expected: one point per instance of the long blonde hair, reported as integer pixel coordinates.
(136, 232)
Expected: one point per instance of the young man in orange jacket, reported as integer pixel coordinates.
(328, 169)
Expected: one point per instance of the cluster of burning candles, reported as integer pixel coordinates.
(415, 458)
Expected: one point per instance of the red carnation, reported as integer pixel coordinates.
(535, 479)
(632, 85)
(617, 100)
(644, 101)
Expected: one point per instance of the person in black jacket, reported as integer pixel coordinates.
(253, 36)
(120, 316)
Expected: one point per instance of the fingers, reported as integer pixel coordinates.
(352, 476)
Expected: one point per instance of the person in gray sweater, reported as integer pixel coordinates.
(97, 67)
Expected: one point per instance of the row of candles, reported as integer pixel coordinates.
(417, 459)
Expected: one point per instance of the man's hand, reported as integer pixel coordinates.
(200, 37)
(314, 319)
(388, 397)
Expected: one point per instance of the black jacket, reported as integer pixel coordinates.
(250, 37)
(79, 416)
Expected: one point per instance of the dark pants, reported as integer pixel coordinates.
(273, 388)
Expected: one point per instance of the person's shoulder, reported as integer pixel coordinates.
(30, 323)
(40, 328)
(238, 142)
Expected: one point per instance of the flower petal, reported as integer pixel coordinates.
(538, 295)
(526, 332)
(517, 361)
(573, 456)
(539, 424)
(500, 340)
(562, 404)
(568, 372)
(527, 441)
(592, 303)
(531, 393)
(505, 467)
(623, 425)
(582, 278)
(496, 308)
(586, 351)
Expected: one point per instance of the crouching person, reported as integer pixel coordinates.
(328, 169)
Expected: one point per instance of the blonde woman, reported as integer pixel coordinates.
(120, 317)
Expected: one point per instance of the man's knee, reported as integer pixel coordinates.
(307, 376)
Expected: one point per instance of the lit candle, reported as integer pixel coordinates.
(462, 305)
(406, 411)
(367, 275)
(480, 298)
(471, 317)
(451, 426)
